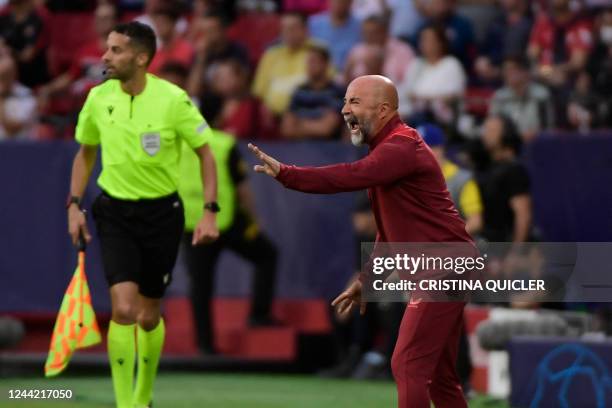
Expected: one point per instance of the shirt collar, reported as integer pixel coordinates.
(385, 131)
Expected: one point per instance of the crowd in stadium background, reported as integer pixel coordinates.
(544, 64)
(478, 78)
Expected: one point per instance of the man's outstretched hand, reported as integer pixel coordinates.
(269, 165)
(348, 299)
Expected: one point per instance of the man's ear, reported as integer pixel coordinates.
(383, 110)
(142, 59)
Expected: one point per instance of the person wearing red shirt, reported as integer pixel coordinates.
(240, 113)
(560, 43)
(86, 69)
(172, 48)
(410, 203)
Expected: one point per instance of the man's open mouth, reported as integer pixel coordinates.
(353, 124)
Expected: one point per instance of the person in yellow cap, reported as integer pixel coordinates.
(140, 122)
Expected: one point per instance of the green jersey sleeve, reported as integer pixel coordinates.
(190, 125)
(87, 131)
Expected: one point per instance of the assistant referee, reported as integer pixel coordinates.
(140, 122)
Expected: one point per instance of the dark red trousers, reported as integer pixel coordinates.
(425, 355)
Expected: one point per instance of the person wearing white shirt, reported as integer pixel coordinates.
(434, 82)
(17, 104)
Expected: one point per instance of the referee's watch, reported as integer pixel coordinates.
(73, 200)
(212, 206)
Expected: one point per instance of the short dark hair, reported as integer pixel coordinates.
(510, 135)
(213, 15)
(519, 60)
(379, 20)
(170, 9)
(440, 32)
(321, 50)
(299, 15)
(175, 68)
(141, 35)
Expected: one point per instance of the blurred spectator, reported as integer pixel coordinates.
(527, 103)
(240, 114)
(405, 17)
(582, 109)
(171, 46)
(458, 29)
(24, 29)
(364, 343)
(211, 45)
(507, 36)
(224, 8)
(397, 55)
(282, 68)
(69, 5)
(505, 184)
(362, 9)
(86, 69)
(460, 182)
(560, 43)
(314, 112)
(372, 61)
(433, 83)
(238, 224)
(600, 66)
(151, 6)
(338, 29)
(266, 6)
(17, 104)
(177, 74)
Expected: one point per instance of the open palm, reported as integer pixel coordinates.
(269, 165)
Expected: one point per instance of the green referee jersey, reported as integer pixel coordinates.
(140, 136)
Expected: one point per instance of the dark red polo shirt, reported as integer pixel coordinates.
(405, 184)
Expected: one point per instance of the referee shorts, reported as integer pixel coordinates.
(139, 240)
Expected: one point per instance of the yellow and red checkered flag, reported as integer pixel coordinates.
(76, 326)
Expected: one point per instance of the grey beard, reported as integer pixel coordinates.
(357, 140)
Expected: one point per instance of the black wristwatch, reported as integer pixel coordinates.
(73, 200)
(212, 206)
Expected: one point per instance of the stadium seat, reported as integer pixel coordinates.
(305, 6)
(255, 31)
(68, 32)
(477, 101)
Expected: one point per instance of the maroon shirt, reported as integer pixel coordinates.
(405, 184)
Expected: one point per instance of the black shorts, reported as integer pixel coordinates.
(139, 240)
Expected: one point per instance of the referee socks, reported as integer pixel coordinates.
(150, 345)
(122, 356)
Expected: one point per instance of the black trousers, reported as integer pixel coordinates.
(251, 245)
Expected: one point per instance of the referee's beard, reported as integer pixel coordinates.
(123, 74)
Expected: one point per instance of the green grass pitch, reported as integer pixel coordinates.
(178, 390)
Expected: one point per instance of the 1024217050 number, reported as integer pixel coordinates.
(39, 394)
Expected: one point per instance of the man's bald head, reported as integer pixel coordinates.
(370, 102)
(377, 87)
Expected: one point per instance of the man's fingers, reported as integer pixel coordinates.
(86, 234)
(346, 307)
(261, 155)
(362, 307)
(340, 298)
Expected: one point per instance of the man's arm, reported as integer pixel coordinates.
(81, 171)
(206, 230)
(521, 206)
(390, 161)
(11, 125)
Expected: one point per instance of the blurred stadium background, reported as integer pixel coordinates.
(275, 72)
